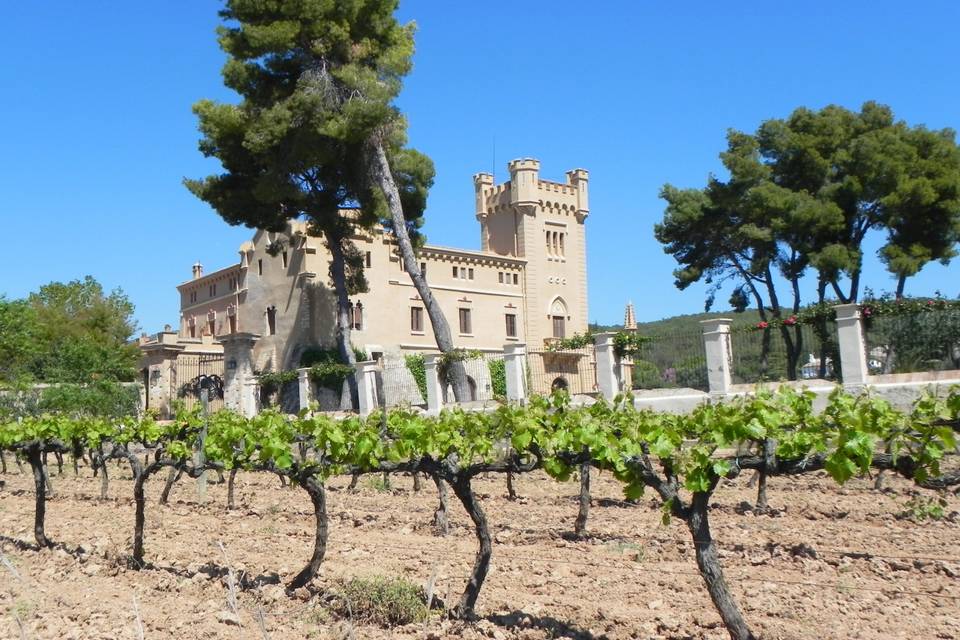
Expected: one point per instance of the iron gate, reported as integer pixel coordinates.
(195, 372)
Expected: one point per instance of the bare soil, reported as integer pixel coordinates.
(829, 562)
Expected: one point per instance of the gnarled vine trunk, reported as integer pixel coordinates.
(481, 565)
(440, 521)
(708, 562)
(140, 514)
(230, 486)
(35, 458)
(580, 525)
(315, 490)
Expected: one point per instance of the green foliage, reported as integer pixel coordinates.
(73, 333)
(19, 340)
(921, 508)
(104, 398)
(273, 380)
(381, 600)
(803, 193)
(912, 334)
(417, 368)
(625, 343)
(317, 80)
(326, 368)
(498, 377)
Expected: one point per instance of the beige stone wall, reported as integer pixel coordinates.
(542, 222)
(521, 270)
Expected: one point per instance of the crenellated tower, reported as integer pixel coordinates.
(542, 222)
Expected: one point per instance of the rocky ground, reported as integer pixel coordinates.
(829, 563)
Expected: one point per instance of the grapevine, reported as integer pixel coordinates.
(682, 458)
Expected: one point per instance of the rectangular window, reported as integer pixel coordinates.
(466, 326)
(213, 290)
(470, 272)
(455, 272)
(356, 311)
(423, 269)
(193, 296)
(212, 326)
(369, 260)
(559, 327)
(271, 321)
(516, 279)
(500, 276)
(260, 267)
(511, 325)
(416, 319)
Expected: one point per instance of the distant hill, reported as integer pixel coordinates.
(689, 323)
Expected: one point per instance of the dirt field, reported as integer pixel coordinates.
(835, 563)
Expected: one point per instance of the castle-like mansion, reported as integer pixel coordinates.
(527, 284)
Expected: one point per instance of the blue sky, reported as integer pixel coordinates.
(97, 131)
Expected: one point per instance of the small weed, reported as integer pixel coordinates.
(23, 609)
(380, 600)
(377, 483)
(626, 548)
(921, 508)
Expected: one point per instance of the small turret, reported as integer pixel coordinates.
(524, 177)
(197, 271)
(481, 183)
(578, 179)
(629, 318)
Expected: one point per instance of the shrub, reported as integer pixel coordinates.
(419, 372)
(381, 600)
(498, 377)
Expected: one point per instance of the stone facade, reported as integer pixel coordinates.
(526, 284)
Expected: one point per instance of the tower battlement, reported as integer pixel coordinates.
(526, 191)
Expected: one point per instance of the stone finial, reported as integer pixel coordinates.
(629, 318)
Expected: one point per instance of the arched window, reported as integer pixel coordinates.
(558, 316)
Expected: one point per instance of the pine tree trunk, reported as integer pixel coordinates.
(708, 561)
(338, 271)
(35, 458)
(382, 176)
(481, 565)
(319, 500)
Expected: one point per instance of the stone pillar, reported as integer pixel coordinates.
(716, 341)
(239, 383)
(305, 387)
(367, 386)
(434, 389)
(853, 354)
(606, 366)
(515, 368)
